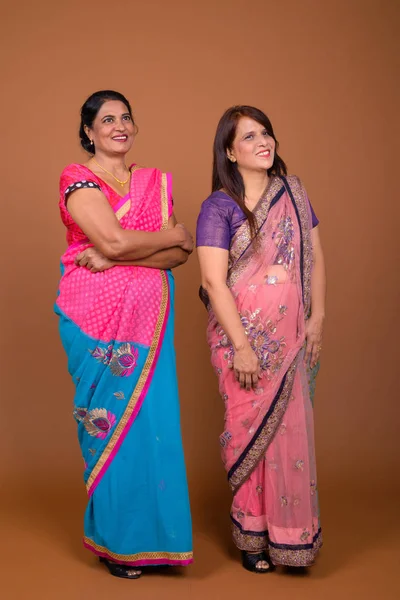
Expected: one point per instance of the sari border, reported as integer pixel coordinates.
(122, 208)
(140, 558)
(242, 241)
(138, 395)
(297, 195)
(248, 460)
(296, 556)
(250, 541)
(164, 201)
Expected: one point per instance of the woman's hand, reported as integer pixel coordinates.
(184, 238)
(314, 327)
(247, 367)
(93, 260)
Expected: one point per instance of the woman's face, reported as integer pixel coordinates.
(253, 149)
(112, 130)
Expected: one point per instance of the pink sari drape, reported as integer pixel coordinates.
(267, 442)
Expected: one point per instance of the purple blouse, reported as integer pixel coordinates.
(219, 219)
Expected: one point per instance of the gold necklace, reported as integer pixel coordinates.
(121, 183)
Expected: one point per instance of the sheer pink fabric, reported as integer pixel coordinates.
(267, 443)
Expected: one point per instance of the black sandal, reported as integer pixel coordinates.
(119, 570)
(250, 561)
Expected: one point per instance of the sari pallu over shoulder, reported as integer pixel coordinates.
(243, 251)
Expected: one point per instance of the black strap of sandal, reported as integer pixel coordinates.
(119, 570)
(250, 561)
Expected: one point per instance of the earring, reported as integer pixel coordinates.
(91, 142)
(232, 159)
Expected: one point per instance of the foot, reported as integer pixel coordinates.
(123, 571)
(257, 562)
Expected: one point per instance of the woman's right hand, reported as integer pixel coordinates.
(184, 238)
(247, 367)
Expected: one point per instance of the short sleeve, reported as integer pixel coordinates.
(75, 177)
(213, 227)
(314, 218)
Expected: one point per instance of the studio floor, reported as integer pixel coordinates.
(42, 555)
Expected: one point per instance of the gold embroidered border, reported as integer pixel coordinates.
(125, 208)
(300, 198)
(121, 212)
(139, 386)
(164, 201)
(248, 542)
(296, 558)
(140, 555)
(258, 449)
(242, 238)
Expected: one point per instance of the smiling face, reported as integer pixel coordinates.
(253, 149)
(113, 130)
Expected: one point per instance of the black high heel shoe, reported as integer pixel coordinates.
(249, 561)
(120, 570)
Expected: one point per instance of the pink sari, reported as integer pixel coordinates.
(267, 443)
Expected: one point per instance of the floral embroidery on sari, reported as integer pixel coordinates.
(99, 422)
(283, 239)
(269, 351)
(122, 361)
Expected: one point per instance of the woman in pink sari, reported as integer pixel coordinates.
(116, 315)
(263, 283)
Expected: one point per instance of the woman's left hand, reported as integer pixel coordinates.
(314, 327)
(93, 260)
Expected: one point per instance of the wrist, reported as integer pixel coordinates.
(241, 345)
(318, 315)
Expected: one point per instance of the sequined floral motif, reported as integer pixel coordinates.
(121, 361)
(259, 489)
(299, 465)
(124, 360)
(282, 429)
(296, 501)
(102, 354)
(283, 238)
(92, 451)
(80, 414)
(119, 395)
(268, 350)
(240, 514)
(305, 535)
(284, 501)
(99, 422)
(224, 438)
(313, 488)
(272, 280)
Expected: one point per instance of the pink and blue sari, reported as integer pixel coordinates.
(268, 438)
(117, 328)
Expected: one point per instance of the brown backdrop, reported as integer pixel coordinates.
(325, 74)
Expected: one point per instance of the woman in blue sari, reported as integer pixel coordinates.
(116, 316)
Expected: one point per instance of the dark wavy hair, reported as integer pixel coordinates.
(89, 112)
(226, 174)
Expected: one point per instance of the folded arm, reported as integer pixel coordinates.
(92, 213)
(169, 258)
